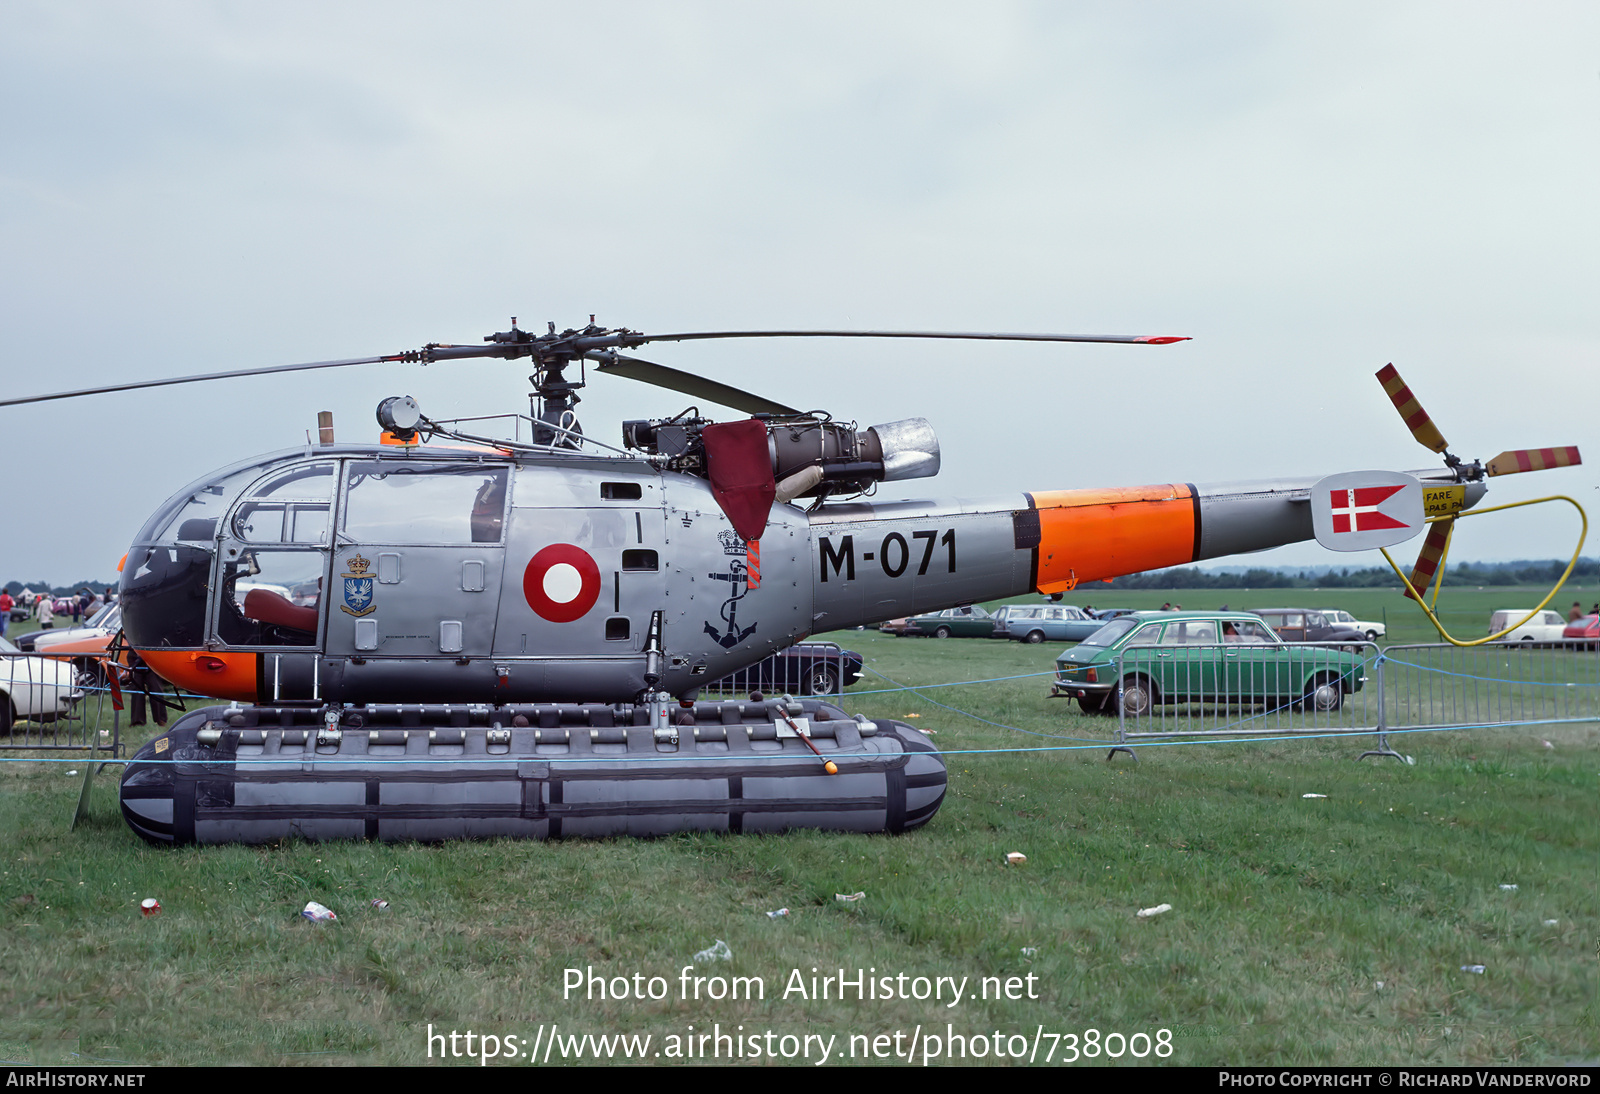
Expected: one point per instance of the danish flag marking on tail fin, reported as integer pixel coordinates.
(1364, 510)
(1361, 505)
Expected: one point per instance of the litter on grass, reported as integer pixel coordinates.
(1313, 795)
(150, 906)
(848, 898)
(1015, 858)
(779, 912)
(1146, 913)
(718, 952)
(1508, 888)
(1479, 969)
(318, 913)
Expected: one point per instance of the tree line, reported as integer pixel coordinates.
(1520, 572)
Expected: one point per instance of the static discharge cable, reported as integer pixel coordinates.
(976, 718)
(1485, 679)
(952, 684)
(333, 761)
(1087, 742)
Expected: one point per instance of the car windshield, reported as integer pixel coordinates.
(1110, 633)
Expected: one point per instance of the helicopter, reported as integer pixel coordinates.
(445, 634)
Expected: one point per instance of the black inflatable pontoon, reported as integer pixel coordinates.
(538, 771)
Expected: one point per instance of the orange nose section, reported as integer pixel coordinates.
(220, 675)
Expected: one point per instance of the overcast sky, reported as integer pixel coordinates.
(1310, 191)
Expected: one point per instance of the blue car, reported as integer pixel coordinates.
(1057, 622)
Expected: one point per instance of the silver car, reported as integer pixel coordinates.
(1057, 622)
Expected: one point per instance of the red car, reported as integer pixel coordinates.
(1585, 630)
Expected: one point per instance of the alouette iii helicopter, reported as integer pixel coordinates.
(446, 635)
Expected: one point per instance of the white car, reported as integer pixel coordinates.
(41, 688)
(1373, 631)
(1545, 626)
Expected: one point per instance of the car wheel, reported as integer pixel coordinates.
(942, 632)
(1324, 696)
(8, 716)
(1372, 636)
(1138, 696)
(1034, 638)
(822, 680)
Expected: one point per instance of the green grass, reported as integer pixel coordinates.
(1287, 912)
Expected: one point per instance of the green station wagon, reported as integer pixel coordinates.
(1202, 657)
(968, 622)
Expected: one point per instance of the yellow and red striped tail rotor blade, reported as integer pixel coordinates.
(1534, 459)
(1416, 419)
(1428, 561)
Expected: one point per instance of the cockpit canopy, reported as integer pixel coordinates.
(273, 520)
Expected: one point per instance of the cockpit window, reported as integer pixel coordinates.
(422, 503)
(288, 507)
(196, 515)
(270, 598)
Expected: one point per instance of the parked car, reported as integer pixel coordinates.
(1585, 631)
(29, 641)
(1035, 623)
(34, 687)
(895, 627)
(1304, 625)
(1189, 657)
(1338, 618)
(1544, 626)
(806, 668)
(103, 624)
(968, 622)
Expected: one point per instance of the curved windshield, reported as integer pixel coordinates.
(1109, 634)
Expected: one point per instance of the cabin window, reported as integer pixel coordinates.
(404, 503)
(640, 560)
(621, 491)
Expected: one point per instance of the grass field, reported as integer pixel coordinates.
(1323, 930)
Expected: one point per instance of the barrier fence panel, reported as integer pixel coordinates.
(1501, 683)
(1244, 689)
(53, 704)
(812, 668)
(1234, 690)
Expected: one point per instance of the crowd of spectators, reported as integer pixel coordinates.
(46, 608)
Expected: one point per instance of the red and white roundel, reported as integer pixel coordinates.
(561, 583)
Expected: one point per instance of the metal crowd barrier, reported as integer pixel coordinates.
(1238, 690)
(56, 703)
(1499, 684)
(811, 668)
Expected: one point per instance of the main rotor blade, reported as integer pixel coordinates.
(699, 387)
(1534, 459)
(695, 336)
(197, 379)
(1416, 419)
(1428, 560)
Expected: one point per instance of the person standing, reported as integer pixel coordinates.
(6, 604)
(47, 615)
(1576, 613)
